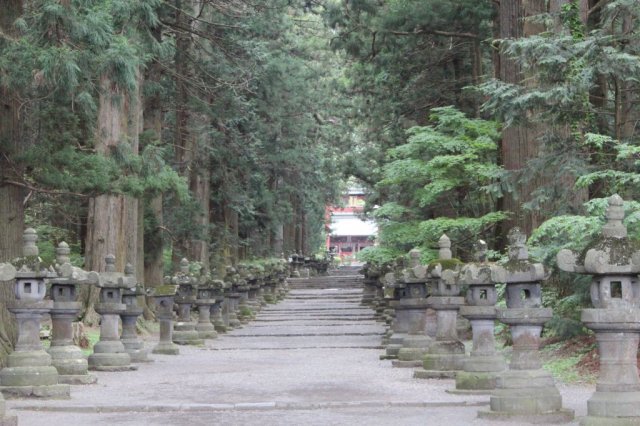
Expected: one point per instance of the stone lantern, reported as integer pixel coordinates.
(295, 265)
(480, 369)
(184, 330)
(446, 354)
(371, 274)
(269, 295)
(395, 290)
(204, 301)
(613, 261)
(525, 392)
(243, 310)
(216, 309)
(256, 288)
(232, 298)
(164, 297)
(69, 360)
(413, 305)
(132, 344)
(29, 371)
(283, 284)
(109, 354)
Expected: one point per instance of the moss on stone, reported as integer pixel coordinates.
(445, 263)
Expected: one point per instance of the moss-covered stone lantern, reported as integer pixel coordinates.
(613, 261)
(525, 392)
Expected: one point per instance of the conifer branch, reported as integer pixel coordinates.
(43, 190)
(436, 32)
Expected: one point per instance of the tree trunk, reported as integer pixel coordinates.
(11, 196)
(152, 240)
(200, 187)
(111, 218)
(519, 142)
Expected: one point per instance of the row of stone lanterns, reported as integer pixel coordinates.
(521, 390)
(32, 371)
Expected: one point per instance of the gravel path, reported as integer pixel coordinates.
(312, 359)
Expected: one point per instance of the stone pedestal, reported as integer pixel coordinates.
(260, 293)
(164, 298)
(205, 300)
(109, 353)
(371, 275)
(184, 329)
(243, 311)
(446, 354)
(395, 291)
(67, 358)
(233, 300)
(132, 344)
(481, 368)
(525, 392)
(216, 315)
(29, 372)
(417, 342)
(613, 260)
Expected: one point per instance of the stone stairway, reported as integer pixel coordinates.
(350, 281)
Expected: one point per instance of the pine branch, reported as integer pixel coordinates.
(44, 191)
(436, 32)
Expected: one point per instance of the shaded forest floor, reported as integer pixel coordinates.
(572, 360)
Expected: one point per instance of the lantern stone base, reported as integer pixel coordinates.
(79, 379)
(414, 348)
(137, 351)
(394, 346)
(445, 355)
(474, 383)
(72, 365)
(479, 374)
(433, 374)
(184, 333)
(166, 348)
(608, 421)
(527, 394)
(206, 330)
(611, 407)
(556, 417)
(110, 361)
(406, 364)
(69, 360)
(59, 391)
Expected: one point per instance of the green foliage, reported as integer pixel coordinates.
(449, 170)
(377, 255)
(578, 93)
(569, 293)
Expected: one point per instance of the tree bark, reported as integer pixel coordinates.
(519, 142)
(200, 188)
(152, 240)
(111, 218)
(11, 197)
